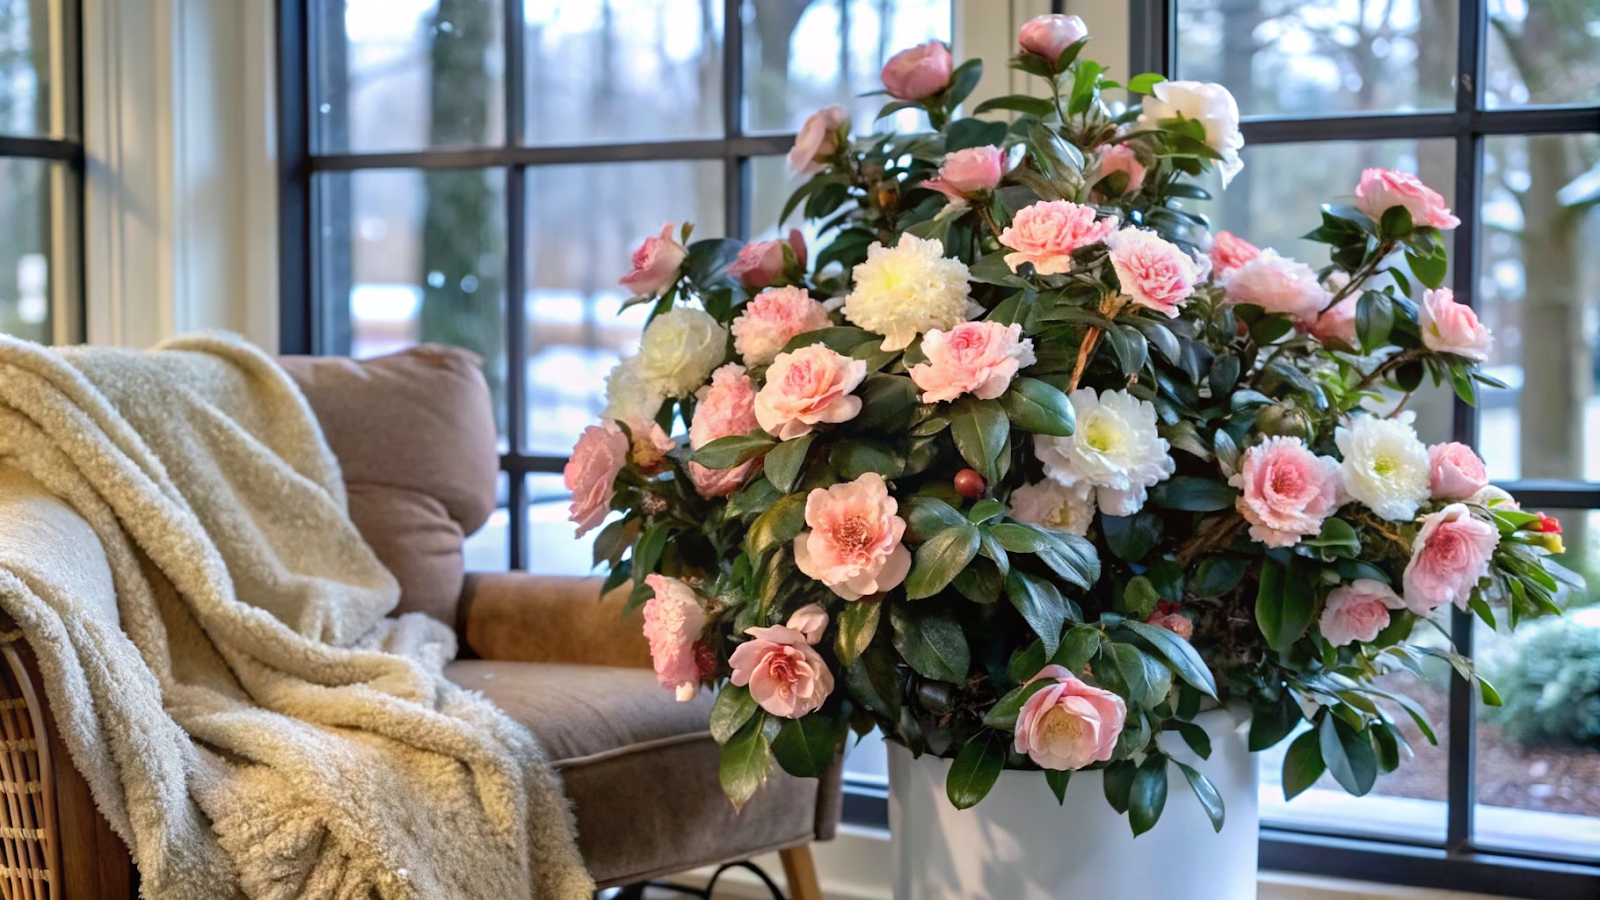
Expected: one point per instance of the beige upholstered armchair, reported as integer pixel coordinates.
(416, 440)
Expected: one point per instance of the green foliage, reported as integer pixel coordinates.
(1550, 685)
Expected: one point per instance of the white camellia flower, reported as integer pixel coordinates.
(1054, 505)
(628, 398)
(1115, 450)
(1385, 466)
(1212, 105)
(678, 351)
(909, 289)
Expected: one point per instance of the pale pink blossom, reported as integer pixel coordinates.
(772, 319)
(1278, 284)
(977, 358)
(1451, 327)
(726, 407)
(786, 677)
(1287, 490)
(1154, 273)
(1049, 35)
(1338, 325)
(591, 473)
(1229, 252)
(673, 620)
(968, 172)
(1121, 158)
(1381, 189)
(650, 446)
(655, 264)
(853, 545)
(1450, 554)
(1046, 234)
(760, 263)
(810, 386)
(1069, 724)
(1358, 611)
(919, 72)
(1053, 505)
(818, 139)
(1455, 472)
(810, 620)
(1166, 616)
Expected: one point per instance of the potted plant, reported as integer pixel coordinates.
(1072, 500)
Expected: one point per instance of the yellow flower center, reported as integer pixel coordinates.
(1061, 727)
(1102, 435)
(1385, 466)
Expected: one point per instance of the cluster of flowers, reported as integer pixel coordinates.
(1021, 369)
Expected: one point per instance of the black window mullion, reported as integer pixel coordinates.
(516, 348)
(735, 214)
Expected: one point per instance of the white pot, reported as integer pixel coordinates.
(1019, 844)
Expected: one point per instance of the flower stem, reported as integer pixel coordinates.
(1362, 274)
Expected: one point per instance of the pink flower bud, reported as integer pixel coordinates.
(918, 73)
(970, 171)
(1048, 36)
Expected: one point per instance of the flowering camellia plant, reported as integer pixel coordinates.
(1024, 467)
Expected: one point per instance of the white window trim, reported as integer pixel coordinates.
(180, 202)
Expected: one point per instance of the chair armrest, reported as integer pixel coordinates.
(519, 617)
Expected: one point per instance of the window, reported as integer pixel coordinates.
(41, 172)
(1497, 104)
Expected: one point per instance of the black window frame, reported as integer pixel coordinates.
(1457, 864)
(66, 150)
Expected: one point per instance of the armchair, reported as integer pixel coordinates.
(416, 439)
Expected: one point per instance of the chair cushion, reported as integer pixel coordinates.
(640, 769)
(415, 435)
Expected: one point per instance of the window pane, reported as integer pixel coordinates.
(25, 68)
(771, 183)
(407, 75)
(622, 70)
(1538, 284)
(1538, 754)
(406, 256)
(1275, 199)
(583, 223)
(489, 548)
(1321, 57)
(800, 57)
(551, 547)
(1542, 52)
(1409, 802)
(25, 262)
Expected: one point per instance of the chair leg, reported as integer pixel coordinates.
(801, 873)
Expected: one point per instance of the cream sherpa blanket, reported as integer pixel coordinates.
(212, 633)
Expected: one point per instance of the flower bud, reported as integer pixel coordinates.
(1048, 36)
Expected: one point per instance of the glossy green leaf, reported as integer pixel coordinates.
(940, 559)
(1302, 765)
(733, 708)
(858, 622)
(975, 769)
(647, 553)
(1148, 795)
(1058, 779)
(932, 643)
(1208, 795)
(780, 524)
(1038, 407)
(746, 760)
(785, 461)
(980, 429)
(1179, 654)
(807, 746)
(1041, 606)
(1348, 754)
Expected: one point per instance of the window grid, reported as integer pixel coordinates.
(1458, 864)
(306, 328)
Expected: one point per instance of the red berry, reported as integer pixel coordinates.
(969, 484)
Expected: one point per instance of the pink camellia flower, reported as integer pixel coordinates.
(1381, 189)
(1450, 553)
(1451, 327)
(1154, 273)
(918, 73)
(853, 545)
(1166, 615)
(673, 620)
(1288, 490)
(1455, 472)
(786, 677)
(1229, 252)
(1278, 284)
(1069, 724)
(1121, 158)
(650, 446)
(727, 406)
(806, 387)
(977, 358)
(818, 139)
(591, 472)
(1049, 35)
(810, 620)
(761, 262)
(968, 172)
(1358, 611)
(1338, 325)
(655, 264)
(772, 320)
(1047, 233)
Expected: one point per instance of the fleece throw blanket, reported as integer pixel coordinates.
(212, 634)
